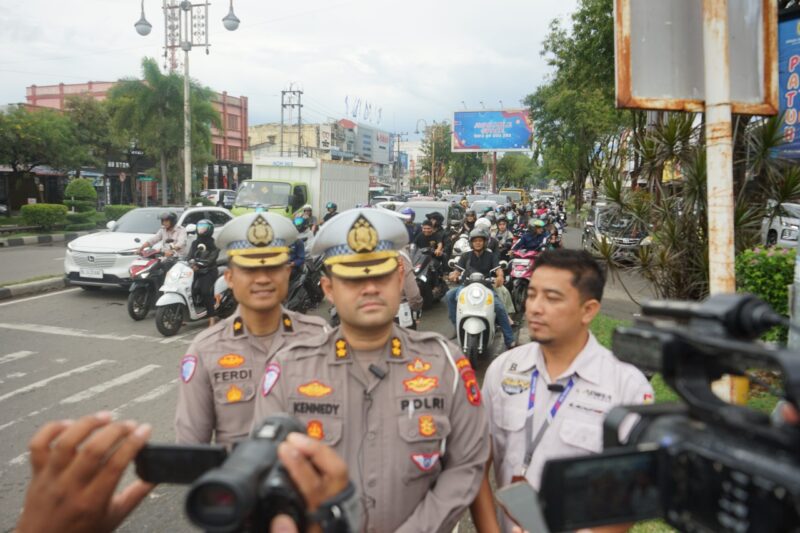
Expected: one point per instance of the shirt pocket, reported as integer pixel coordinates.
(423, 435)
(234, 393)
(582, 435)
(508, 416)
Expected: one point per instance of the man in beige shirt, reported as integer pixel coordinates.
(402, 408)
(221, 370)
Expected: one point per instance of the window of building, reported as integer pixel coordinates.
(272, 139)
(233, 153)
(217, 151)
(233, 122)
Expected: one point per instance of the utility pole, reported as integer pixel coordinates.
(283, 106)
(397, 164)
(290, 102)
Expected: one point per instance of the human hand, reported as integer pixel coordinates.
(76, 468)
(316, 469)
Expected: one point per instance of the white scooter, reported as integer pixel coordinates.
(460, 247)
(475, 317)
(177, 303)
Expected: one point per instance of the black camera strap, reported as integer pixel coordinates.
(531, 442)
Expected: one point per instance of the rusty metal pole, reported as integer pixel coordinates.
(719, 147)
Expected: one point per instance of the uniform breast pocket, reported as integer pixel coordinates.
(582, 435)
(423, 435)
(233, 393)
(507, 416)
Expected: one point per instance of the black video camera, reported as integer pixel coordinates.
(703, 465)
(237, 491)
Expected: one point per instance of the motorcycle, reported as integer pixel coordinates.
(520, 276)
(432, 285)
(460, 247)
(148, 274)
(305, 290)
(178, 303)
(475, 317)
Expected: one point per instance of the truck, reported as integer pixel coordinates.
(284, 185)
(518, 196)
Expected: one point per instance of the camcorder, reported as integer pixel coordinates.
(702, 465)
(237, 491)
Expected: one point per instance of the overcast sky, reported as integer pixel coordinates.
(416, 59)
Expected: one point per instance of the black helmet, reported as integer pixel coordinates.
(469, 213)
(205, 228)
(437, 216)
(478, 233)
(171, 216)
(331, 205)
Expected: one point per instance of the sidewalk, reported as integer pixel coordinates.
(33, 287)
(44, 239)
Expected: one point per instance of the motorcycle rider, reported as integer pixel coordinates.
(480, 260)
(504, 237)
(205, 266)
(310, 218)
(469, 222)
(169, 231)
(298, 251)
(332, 212)
(412, 228)
(428, 238)
(534, 238)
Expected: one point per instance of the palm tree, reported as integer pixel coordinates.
(151, 111)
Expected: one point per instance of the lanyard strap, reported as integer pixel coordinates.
(532, 443)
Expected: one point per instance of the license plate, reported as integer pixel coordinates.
(94, 273)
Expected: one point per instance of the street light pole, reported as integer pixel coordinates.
(186, 26)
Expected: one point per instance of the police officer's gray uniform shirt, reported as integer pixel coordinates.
(601, 381)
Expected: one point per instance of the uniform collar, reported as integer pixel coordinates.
(586, 365)
(396, 348)
(237, 329)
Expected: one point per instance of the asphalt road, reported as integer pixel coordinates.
(18, 263)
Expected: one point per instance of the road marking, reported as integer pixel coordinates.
(19, 460)
(15, 375)
(15, 356)
(49, 294)
(58, 259)
(82, 333)
(102, 387)
(146, 397)
(170, 340)
(45, 382)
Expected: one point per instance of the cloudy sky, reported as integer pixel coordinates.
(416, 59)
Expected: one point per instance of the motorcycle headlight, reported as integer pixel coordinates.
(144, 274)
(475, 295)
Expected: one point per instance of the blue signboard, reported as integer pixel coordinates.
(492, 131)
(789, 84)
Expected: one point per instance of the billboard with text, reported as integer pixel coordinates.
(509, 130)
(789, 84)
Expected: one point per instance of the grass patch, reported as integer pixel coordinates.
(11, 221)
(29, 280)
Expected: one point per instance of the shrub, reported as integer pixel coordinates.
(80, 218)
(81, 195)
(44, 215)
(80, 227)
(114, 212)
(202, 201)
(767, 273)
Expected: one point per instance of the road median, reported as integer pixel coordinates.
(32, 287)
(42, 239)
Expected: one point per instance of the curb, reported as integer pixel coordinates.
(43, 239)
(34, 287)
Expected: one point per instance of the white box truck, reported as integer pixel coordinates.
(283, 185)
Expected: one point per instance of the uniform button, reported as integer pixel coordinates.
(371, 435)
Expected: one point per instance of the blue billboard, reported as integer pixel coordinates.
(789, 84)
(492, 131)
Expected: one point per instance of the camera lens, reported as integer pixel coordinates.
(214, 505)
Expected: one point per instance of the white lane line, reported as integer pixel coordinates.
(49, 294)
(170, 340)
(102, 387)
(146, 397)
(15, 375)
(81, 333)
(15, 356)
(45, 382)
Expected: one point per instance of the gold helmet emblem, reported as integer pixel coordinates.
(362, 236)
(260, 232)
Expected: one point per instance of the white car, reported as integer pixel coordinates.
(103, 259)
(783, 228)
(220, 197)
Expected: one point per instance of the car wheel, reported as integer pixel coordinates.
(772, 237)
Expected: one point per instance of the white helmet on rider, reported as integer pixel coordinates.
(483, 223)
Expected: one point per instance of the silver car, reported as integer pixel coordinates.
(104, 259)
(782, 229)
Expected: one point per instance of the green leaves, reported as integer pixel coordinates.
(767, 273)
(41, 137)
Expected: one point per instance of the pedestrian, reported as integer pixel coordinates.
(548, 399)
(401, 407)
(220, 372)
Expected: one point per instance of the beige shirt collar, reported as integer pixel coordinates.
(586, 365)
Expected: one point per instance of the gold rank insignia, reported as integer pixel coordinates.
(427, 427)
(231, 360)
(315, 389)
(397, 348)
(418, 366)
(234, 394)
(362, 237)
(341, 349)
(238, 327)
(260, 232)
(420, 384)
(287, 323)
(315, 430)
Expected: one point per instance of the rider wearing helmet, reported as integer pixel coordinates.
(298, 251)
(332, 212)
(469, 222)
(169, 231)
(203, 255)
(412, 228)
(479, 259)
(307, 213)
(533, 239)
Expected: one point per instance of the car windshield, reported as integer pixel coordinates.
(139, 221)
(499, 198)
(616, 225)
(263, 193)
(791, 210)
